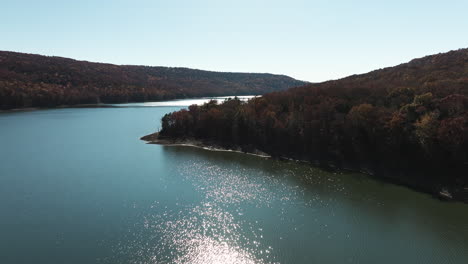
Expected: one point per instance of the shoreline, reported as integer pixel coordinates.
(13, 110)
(116, 105)
(442, 193)
(154, 139)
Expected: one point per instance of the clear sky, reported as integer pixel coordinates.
(308, 40)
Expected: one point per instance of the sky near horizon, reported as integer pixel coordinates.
(308, 40)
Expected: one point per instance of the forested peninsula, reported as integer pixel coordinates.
(407, 124)
(28, 80)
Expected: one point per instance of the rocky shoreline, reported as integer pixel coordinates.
(191, 142)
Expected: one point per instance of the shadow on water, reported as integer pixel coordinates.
(353, 201)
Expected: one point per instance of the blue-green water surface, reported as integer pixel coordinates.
(78, 186)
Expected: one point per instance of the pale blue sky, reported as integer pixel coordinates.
(308, 40)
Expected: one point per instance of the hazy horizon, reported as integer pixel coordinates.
(307, 40)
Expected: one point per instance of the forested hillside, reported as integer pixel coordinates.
(28, 80)
(408, 122)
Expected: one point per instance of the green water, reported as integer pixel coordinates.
(78, 186)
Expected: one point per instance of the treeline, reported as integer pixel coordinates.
(409, 122)
(28, 80)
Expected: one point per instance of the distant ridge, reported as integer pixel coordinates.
(28, 80)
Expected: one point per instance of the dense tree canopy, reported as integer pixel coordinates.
(38, 81)
(412, 117)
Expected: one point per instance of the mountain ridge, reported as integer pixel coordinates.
(30, 80)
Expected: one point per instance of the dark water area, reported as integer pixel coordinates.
(78, 186)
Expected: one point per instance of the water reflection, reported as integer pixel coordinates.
(204, 234)
(184, 102)
(317, 210)
(213, 230)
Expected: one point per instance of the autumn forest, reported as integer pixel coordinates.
(408, 123)
(28, 80)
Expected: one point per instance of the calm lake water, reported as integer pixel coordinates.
(78, 186)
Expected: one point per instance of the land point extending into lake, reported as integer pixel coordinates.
(407, 124)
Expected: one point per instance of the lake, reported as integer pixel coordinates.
(78, 186)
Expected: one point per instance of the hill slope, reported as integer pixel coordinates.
(408, 123)
(28, 80)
